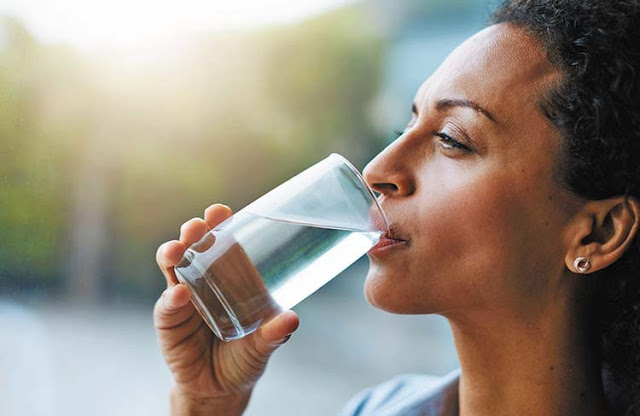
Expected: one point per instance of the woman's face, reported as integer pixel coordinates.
(471, 185)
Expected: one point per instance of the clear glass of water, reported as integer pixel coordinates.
(281, 248)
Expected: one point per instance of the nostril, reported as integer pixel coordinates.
(385, 188)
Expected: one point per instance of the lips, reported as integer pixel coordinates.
(388, 242)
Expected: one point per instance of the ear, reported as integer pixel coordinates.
(602, 231)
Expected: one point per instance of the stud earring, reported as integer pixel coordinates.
(582, 264)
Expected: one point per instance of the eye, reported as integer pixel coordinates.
(449, 142)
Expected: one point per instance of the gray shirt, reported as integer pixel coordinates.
(408, 395)
(420, 395)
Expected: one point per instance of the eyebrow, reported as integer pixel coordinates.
(447, 103)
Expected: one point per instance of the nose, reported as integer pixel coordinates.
(389, 173)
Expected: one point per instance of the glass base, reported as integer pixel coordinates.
(208, 300)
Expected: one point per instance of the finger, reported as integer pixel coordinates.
(276, 332)
(192, 231)
(177, 322)
(215, 214)
(167, 256)
(173, 308)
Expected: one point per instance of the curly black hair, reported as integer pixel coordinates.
(596, 106)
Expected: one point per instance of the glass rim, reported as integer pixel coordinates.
(366, 186)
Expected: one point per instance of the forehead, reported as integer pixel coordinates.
(502, 67)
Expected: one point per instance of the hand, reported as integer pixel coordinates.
(209, 374)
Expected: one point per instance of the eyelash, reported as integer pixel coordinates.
(448, 140)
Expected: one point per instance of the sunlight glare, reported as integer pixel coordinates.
(92, 23)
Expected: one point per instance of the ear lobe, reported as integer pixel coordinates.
(603, 231)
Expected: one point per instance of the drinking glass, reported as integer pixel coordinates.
(281, 248)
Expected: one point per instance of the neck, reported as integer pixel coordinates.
(544, 365)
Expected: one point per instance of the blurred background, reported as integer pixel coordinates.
(120, 120)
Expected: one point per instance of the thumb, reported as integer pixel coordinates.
(276, 332)
(242, 362)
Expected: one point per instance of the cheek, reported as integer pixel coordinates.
(468, 240)
(455, 233)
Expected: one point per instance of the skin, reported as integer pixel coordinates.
(483, 233)
(490, 234)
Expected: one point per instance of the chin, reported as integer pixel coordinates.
(374, 290)
(381, 293)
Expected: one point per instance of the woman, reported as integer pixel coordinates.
(513, 194)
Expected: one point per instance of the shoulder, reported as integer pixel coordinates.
(411, 394)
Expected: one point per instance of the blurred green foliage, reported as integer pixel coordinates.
(104, 154)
